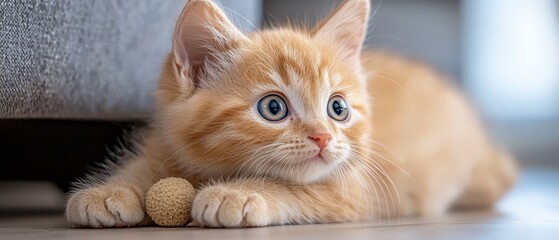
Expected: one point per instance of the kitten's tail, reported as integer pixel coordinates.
(491, 179)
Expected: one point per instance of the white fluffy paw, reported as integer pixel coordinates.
(218, 206)
(105, 206)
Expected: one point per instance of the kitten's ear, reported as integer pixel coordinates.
(202, 31)
(346, 27)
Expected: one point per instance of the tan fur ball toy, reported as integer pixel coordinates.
(169, 201)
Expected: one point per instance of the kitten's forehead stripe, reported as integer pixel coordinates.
(292, 76)
(335, 80)
(294, 56)
(307, 88)
(275, 76)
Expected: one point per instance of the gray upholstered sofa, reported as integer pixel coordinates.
(87, 59)
(76, 74)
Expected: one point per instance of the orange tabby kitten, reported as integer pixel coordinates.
(291, 126)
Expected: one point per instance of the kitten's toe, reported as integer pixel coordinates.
(230, 212)
(206, 205)
(125, 206)
(221, 207)
(255, 211)
(86, 208)
(104, 207)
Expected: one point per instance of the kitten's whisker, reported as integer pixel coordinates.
(272, 158)
(380, 144)
(405, 91)
(257, 157)
(375, 176)
(368, 185)
(339, 174)
(369, 161)
(351, 171)
(383, 158)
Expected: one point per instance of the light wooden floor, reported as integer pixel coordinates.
(531, 211)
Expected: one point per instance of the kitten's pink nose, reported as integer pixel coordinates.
(321, 140)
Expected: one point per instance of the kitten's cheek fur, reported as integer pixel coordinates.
(105, 206)
(219, 206)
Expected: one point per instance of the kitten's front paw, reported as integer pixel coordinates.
(104, 206)
(219, 206)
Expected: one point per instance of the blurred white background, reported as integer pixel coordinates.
(511, 55)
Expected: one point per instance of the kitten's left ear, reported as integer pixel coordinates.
(346, 27)
(202, 32)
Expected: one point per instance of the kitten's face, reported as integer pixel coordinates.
(280, 104)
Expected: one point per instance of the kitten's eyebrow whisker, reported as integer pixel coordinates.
(256, 29)
(399, 85)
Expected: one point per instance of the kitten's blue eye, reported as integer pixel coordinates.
(272, 108)
(337, 108)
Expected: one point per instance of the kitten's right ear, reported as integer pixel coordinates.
(346, 27)
(201, 32)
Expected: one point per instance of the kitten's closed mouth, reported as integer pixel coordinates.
(314, 160)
